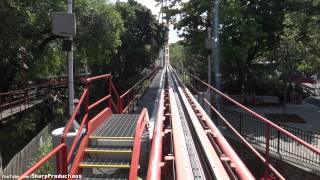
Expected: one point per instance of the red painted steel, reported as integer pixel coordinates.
(182, 161)
(240, 168)
(105, 76)
(130, 94)
(62, 159)
(208, 150)
(73, 146)
(155, 159)
(244, 141)
(92, 106)
(20, 97)
(143, 120)
(74, 169)
(67, 155)
(76, 111)
(263, 119)
(91, 124)
(268, 123)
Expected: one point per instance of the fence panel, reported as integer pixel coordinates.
(23, 159)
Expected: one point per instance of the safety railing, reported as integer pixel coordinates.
(18, 100)
(115, 102)
(85, 101)
(252, 129)
(61, 163)
(269, 128)
(142, 122)
(128, 99)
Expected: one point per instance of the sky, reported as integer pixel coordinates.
(151, 4)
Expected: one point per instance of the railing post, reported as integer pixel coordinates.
(240, 123)
(278, 143)
(11, 105)
(64, 162)
(87, 102)
(267, 136)
(118, 104)
(58, 162)
(110, 93)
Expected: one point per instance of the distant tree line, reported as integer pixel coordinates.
(112, 38)
(263, 43)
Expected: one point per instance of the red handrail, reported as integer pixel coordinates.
(88, 107)
(99, 102)
(61, 161)
(76, 111)
(148, 77)
(143, 120)
(269, 124)
(105, 76)
(261, 118)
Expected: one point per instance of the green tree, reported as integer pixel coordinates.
(141, 29)
(256, 37)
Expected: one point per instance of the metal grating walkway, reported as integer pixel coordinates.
(110, 163)
(117, 126)
(107, 177)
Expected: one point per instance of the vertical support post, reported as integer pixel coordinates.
(87, 103)
(119, 105)
(267, 136)
(70, 67)
(110, 93)
(64, 163)
(278, 145)
(58, 162)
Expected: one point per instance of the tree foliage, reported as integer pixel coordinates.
(259, 39)
(110, 38)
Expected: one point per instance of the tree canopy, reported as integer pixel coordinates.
(110, 38)
(259, 39)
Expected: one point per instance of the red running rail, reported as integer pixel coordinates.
(142, 122)
(264, 120)
(155, 160)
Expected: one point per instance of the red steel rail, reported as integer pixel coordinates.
(182, 162)
(239, 167)
(64, 159)
(84, 101)
(269, 124)
(142, 122)
(18, 100)
(88, 107)
(61, 157)
(128, 98)
(155, 160)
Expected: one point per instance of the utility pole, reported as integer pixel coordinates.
(209, 44)
(70, 66)
(216, 43)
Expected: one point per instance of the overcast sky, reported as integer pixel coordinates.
(151, 4)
